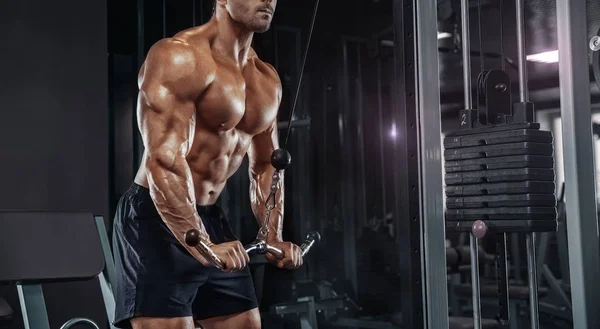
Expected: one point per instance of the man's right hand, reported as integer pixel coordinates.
(232, 254)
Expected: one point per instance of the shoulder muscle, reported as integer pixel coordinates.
(271, 73)
(174, 66)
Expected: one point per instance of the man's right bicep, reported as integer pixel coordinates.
(171, 81)
(164, 125)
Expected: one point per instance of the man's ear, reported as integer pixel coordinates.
(221, 2)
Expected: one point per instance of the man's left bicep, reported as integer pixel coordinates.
(261, 148)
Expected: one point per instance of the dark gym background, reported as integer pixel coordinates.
(68, 140)
(54, 129)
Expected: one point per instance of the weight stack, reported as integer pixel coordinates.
(502, 175)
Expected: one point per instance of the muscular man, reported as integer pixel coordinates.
(205, 101)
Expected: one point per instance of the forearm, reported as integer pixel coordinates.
(260, 189)
(172, 190)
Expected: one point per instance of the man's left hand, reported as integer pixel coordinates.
(292, 255)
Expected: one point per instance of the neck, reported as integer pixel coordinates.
(233, 40)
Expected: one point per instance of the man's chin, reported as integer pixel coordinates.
(263, 30)
(260, 28)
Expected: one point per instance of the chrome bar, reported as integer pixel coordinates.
(533, 281)
(475, 282)
(466, 53)
(522, 56)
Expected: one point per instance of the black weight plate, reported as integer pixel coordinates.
(495, 201)
(507, 226)
(499, 175)
(493, 128)
(488, 151)
(503, 213)
(499, 137)
(525, 187)
(509, 162)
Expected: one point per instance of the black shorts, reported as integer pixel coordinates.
(157, 276)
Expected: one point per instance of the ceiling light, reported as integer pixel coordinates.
(393, 132)
(440, 36)
(444, 35)
(545, 57)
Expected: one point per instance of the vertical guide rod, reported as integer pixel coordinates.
(475, 281)
(523, 92)
(466, 52)
(533, 281)
(530, 236)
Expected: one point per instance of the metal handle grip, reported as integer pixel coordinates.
(309, 241)
(261, 247)
(192, 239)
(74, 321)
(275, 251)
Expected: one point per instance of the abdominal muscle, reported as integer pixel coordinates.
(213, 160)
(214, 157)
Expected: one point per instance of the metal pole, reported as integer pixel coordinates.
(542, 253)
(33, 306)
(580, 196)
(348, 181)
(523, 92)
(466, 52)
(324, 172)
(475, 282)
(405, 151)
(381, 144)
(533, 281)
(530, 236)
(430, 165)
(360, 132)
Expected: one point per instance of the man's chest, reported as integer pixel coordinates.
(246, 100)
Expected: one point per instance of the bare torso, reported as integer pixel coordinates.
(240, 103)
